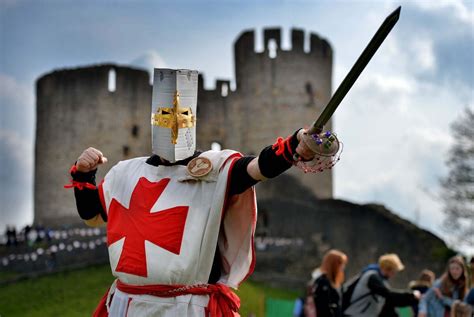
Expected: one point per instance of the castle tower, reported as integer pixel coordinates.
(277, 92)
(106, 107)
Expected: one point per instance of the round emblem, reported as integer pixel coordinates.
(199, 166)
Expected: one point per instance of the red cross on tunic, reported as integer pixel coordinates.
(137, 224)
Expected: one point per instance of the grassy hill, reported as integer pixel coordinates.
(77, 293)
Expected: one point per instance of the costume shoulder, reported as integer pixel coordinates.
(219, 158)
(209, 165)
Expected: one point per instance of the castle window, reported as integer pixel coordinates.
(272, 48)
(112, 79)
(216, 146)
(125, 150)
(224, 90)
(310, 93)
(135, 130)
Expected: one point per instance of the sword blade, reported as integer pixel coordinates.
(355, 71)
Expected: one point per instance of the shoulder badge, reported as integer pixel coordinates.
(199, 166)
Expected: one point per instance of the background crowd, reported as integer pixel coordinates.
(370, 294)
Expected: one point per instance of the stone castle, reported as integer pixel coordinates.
(277, 91)
(274, 97)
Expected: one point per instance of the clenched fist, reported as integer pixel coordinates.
(89, 159)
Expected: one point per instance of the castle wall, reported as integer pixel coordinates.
(75, 110)
(363, 232)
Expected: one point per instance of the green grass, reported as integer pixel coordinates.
(63, 294)
(8, 275)
(77, 293)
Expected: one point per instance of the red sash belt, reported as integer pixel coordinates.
(222, 301)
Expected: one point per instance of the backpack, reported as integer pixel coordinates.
(309, 307)
(347, 291)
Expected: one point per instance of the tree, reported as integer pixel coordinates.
(458, 185)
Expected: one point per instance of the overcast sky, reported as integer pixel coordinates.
(394, 122)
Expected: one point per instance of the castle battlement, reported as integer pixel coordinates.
(245, 43)
(274, 60)
(222, 87)
(97, 77)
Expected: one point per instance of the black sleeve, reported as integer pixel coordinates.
(277, 158)
(240, 180)
(272, 161)
(388, 310)
(397, 298)
(87, 200)
(322, 298)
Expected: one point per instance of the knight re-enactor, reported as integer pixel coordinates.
(181, 223)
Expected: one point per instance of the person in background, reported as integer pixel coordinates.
(373, 292)
(461, 309)
(327, 287)
(452, 286)
(470, 296)
(422, 284)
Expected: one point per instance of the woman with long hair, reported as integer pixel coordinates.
(327, 286)
(452, 286)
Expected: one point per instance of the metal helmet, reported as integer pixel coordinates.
(173, 113)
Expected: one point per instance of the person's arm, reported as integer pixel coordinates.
(271, 162)
(88, 202)
(445, 300)
(277, 158)
(397, 298)
(86, 193)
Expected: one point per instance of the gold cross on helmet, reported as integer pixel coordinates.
(174, 118)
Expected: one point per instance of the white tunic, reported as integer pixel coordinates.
(163, 228)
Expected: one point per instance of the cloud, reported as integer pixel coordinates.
(17, 111)
(16, 152)
(149, 60)
(444, 31)
(395, 127)
(457, 8)
(16, 175)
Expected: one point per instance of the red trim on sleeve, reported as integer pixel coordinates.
(73, 169)
(254, 214)
(280, 145)
(288, 145)
(80, 185)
